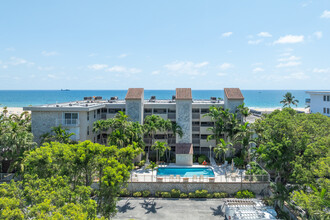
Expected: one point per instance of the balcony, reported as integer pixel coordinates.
(164, 116)
(205, 143)
(206, 118)
(67, 122)
(205, 130)
(195, 128)
(195, 116)
(196, 141)
(171, 116)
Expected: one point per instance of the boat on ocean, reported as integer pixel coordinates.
(65, 89)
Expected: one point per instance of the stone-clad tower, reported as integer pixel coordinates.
(184, 114)
(134, 104)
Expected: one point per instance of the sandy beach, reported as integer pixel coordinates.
(13, 110)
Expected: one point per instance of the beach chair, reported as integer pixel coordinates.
(178, 177)
(185, 179)
(194, 178)
(159, 179)
(171, 178)
(211, 179)
(201, 178)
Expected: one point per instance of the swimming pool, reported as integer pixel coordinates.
(185, 172)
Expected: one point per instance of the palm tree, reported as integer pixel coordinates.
(219, 117)
(59, 134)
(222, 148)
(151, 126)
(152, 166)
(289, 99)
(243, 111)
(244, 137)
(160, 147)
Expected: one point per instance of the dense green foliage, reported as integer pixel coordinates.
(58, 134)
(15, 139)
(297, 147)
(244, 194)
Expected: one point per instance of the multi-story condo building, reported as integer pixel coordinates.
(187, 112)
(319, 102)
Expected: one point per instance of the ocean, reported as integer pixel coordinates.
(253, 98)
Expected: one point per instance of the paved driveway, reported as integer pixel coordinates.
(154, 208)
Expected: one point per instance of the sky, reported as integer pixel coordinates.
(103, 44)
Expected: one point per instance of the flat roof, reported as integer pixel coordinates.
(134, 94)
(234, 93)
(318, 92)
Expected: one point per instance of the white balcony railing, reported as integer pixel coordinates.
(67, 122)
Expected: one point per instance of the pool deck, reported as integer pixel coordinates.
(224, 173)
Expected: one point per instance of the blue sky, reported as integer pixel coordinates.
(251, 44)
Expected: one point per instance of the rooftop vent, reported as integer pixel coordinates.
(88, 98)
(70, 104)
(152, 99)
(114, 98)
(57, 105)
(86, 105)
(173, 97)
(98, 97)
(213, 99)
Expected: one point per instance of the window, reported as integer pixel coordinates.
(160, 136)
(195, 135)
(205, 110)
(328, 98)
(148, 110)
(87, 116)
(324, 98)
(104, 110)
(87, 130)
(171, 110)
(328, 110)
(195, 110)
(70, 118)
(113, 110)
(207, 124)
(195, 123)
(94, 113)
(159, 111)
(204, 136)
(324, 110)
(98, 111)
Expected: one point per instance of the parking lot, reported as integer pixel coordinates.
(157, 208)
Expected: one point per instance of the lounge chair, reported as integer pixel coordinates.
(159, 179)
(185, 179)
(194, 178)
(211, 179)
(201, 178)
(178, 177)
(171, 178)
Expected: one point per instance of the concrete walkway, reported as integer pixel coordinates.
(156, 208)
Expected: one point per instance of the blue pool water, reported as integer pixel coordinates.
(185, 172)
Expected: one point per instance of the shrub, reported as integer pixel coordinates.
(158, 193)
(244, 194)
(220, 195)
(255, 169)
(124, 192)
(166, 195)
(137, 194)
(209, 195)
(201, 193)
(191, 195)
(183, 195)
(141, 163)
(239, 162)
(201, 159)
(145, 193)
(175, 193)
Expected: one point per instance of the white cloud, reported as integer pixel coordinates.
(227, 34)
(317, 70)
(123, 69)
(50, 53)
(288, 64)
(264, 34)
(318, 34)
(51, 76)
(299, 75)
(222, 74)
(123, 55)
(225, 66)
(258, 69)
(97, 66)
(186, 67)
(19, 61)
(45, 68)
(325, 14)
(290, 39)
(255, 42)
(290, 58)
(92, 55)
(156, 72)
